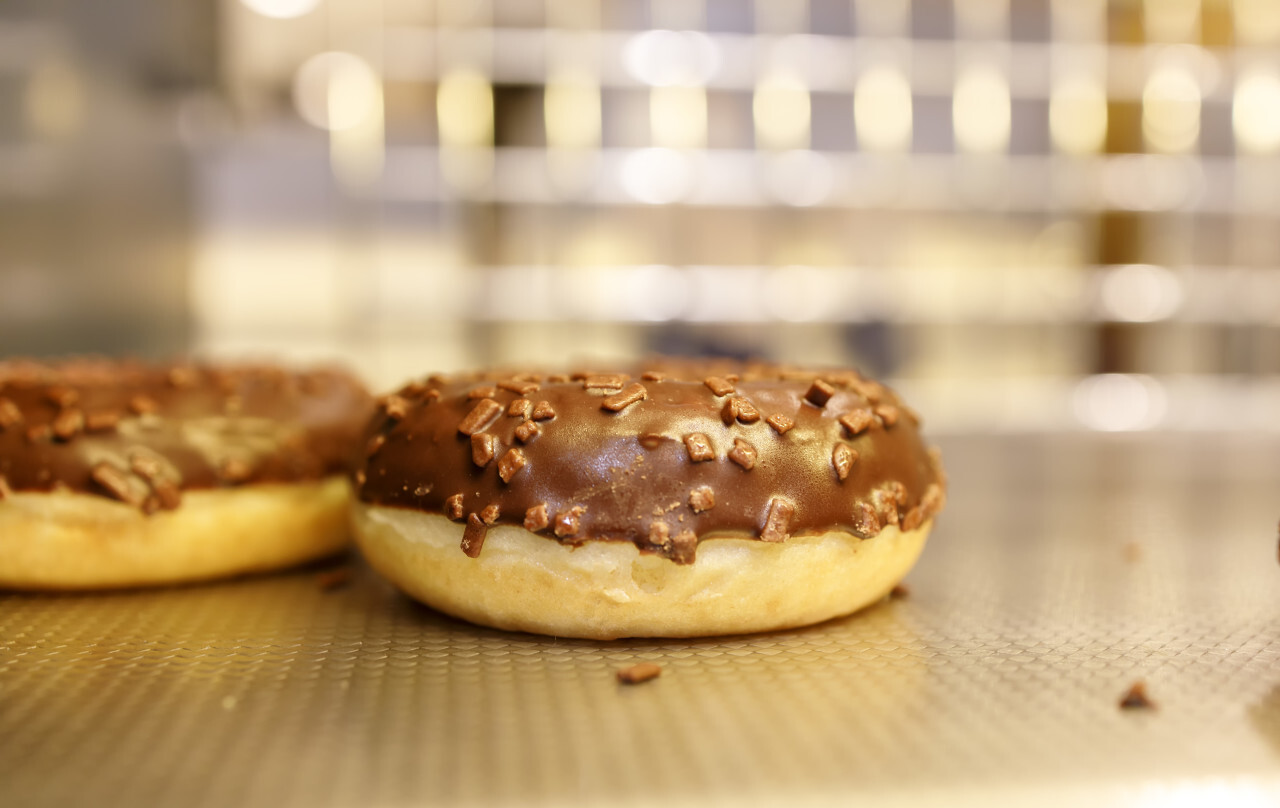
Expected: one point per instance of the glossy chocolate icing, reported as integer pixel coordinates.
(142, 433)
(662, 456)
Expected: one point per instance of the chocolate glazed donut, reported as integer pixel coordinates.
(121, 473)
(661, 464)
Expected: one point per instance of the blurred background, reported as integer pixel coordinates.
(1028, 214)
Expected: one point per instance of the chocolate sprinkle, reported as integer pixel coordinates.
(103, 421)
(453, 507)
(819, 393)
(888, 414)
(843, 457)
(481, 415)
(536, 518)
(699, 447)
(702, 499)
(511, 462)
(519, 386)
(483, 448)
(395, 407)
(543, 411)
(778, 521)
(489, 514)
(10, 415)
(1136, 698)
(743, 453)
(119, 483)
(569, 522)
(68, 424)
(604, 381)
(718, 385)
(527, 431)
(780, 423)
(520, 408)
(473, 536)
(740, 409)
(620, 401)
(642, 672)
(858, 421)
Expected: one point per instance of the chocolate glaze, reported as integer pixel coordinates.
(610, 471)
(141, 433)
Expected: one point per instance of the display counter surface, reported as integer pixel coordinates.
(1065, 569)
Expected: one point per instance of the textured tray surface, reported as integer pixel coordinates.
(1063, 570)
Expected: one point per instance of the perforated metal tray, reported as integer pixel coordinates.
(1064, 569)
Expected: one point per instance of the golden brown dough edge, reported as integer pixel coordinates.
(73, 541)
(607, 590)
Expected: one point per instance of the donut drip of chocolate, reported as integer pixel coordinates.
(662, 457)
(143, 433)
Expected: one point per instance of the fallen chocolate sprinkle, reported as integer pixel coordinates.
(778, 520)
(743, 453)
(1136, 698)
(699, 447)
(702, 499)
(819, 393)
(719, 385)
(519, 408)
(543, 411)
(453, 507)
(536, 518)
(899, 592)
(335, 578)
(511, 462)
(568, 522)
(843, 457)
(620, 401)
(641, 672)
(780, 423)
(473, 535)
(483, 414)
(483, 448)
(489, 514)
